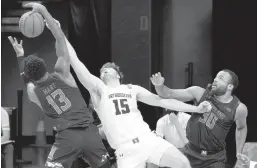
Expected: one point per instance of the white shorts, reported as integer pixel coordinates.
(149, 148)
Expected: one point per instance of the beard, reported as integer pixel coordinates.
(218, 91)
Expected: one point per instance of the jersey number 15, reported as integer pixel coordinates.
(121, 106)
(63, 100)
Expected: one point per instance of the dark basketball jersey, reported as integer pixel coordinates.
(208, 131)
(63, 103)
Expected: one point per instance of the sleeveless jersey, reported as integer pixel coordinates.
(63, 103)
(122, 121)
(208, 131)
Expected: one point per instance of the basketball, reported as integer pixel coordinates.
(31, 25)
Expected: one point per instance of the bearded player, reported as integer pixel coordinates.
(122, 122)
(58, 96)
(207, 132)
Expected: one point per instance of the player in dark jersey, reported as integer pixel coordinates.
(207, 132)
(59, 98)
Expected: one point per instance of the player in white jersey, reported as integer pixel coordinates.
(123, 124)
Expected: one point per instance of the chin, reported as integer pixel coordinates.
(217, 93)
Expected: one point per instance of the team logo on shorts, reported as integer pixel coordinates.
(104, 157)
(204, 153)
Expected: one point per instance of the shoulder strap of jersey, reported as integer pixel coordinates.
(234, 104)
(205, 94)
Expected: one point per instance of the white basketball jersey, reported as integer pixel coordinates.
(122, 121)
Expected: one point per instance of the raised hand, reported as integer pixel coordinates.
(36, 7)
(205, 106)
(157, 79)
(17, 46)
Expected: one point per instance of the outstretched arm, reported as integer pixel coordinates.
(188, 94)
(89, 81)
(149, 98)
(62, 65)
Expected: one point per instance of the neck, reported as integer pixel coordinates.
(43, 78)
(113, 83)
(226, 98)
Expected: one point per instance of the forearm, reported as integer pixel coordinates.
(176, 105)
(163, 91)
(240, 139)
(53, 26)
(79, 68)
(21, 69)
(21, 63)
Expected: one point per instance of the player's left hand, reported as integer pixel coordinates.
(17, 46)
(157, 79)
(242, 160)
(205, 106)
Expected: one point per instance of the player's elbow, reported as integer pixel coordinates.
(87, 81)
(241, 127)
(79, 68)
(159, 102)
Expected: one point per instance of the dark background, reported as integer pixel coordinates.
(234, 47)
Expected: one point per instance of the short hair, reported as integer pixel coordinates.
(234, 78)
(115, 67)
(34, 67)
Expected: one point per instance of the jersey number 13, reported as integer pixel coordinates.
(64, 102)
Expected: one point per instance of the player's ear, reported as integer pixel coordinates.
(230, 87)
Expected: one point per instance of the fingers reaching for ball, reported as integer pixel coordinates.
(36, 7)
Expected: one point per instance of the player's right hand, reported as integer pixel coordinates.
(242, 161)
(204, 107)
(157, 79)
(36, 7)
(17, 46)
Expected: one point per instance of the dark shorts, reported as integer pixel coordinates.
(202, 159)
(77, 142)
